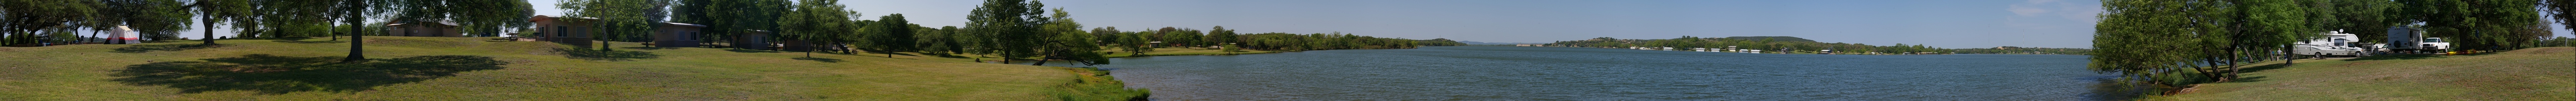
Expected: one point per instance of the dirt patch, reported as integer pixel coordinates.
(2185, 90)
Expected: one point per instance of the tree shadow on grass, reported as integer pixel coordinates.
(596, 55)
(294, 41)
(750, 51)
(827, 60)
(948, 56)
(163, 47)
(2394, 57)
(2249, 79)
(651, 48)
(890, 53)
(268, 74)
(2250, 69)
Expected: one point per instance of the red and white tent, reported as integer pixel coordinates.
(123, 35)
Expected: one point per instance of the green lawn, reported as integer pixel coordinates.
(440, 68)
(2521, 75)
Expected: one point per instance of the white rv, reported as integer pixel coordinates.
(2402, 39)
(2336, 43)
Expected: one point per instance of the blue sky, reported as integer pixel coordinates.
(1938, 23)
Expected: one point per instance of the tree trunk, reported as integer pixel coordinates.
(2232, 59)
(2287, 55)
(809, 50)
(357, 45)
(1042, 60)
(1006, 57)
(210, 26)
(91, 34)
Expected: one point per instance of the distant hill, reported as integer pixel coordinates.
(1438, 42)
(1773, 38)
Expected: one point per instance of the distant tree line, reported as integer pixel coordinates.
(2021, 50)
(1763, 43)
(1003, 28)
(1439, 42)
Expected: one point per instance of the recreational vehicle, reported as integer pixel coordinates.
(2402, 39)
(2336, 43)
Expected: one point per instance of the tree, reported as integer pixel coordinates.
(22, 20)
(1135, 43)
(951, 40)
(815, 21)
(281, 18)
(1221, 36)
(2177, 43)
(931, 41)
(2368, 19)
(1066, 41)
(1009, 27)
(217, 11)
(2558, 10)
(490, 16)
(892, 34)
(1184, 37)
(153, 19)
(728, 18)
(2483, 24)
(355, 12)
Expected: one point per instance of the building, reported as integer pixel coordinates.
(572, 31)
(560, 30)
(424, 29)
(757, 39)
(676, 35)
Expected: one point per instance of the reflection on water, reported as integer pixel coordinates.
(1556, 73)
(2108, 88)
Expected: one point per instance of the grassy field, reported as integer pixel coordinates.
(438, 68)
(2520, 75)
(1179, 51)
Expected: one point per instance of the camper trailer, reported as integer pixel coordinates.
(2402, 39)
(2336, 43)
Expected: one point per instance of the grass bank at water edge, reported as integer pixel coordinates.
(2547, 73)
(446, 68)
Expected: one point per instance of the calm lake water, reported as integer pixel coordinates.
(1560, 73)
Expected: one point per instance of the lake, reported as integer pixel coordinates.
(1564, 73)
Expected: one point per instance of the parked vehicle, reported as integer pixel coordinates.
(2411, 40)
(2336, 43)
(2434, 45)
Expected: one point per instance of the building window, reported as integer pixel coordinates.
(559, 31)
